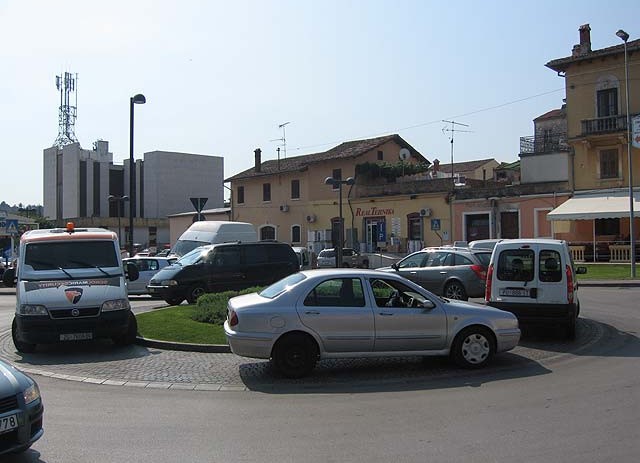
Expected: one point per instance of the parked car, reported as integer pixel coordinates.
(483, 244)
(304, 257)
(350, 258)
(222, 267)
(456, 273)
(21, 410)
(147, 268)
(336, 313)
(536, 280)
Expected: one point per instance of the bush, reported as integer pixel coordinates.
(212, 307)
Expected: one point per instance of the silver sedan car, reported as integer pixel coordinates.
(337, 313)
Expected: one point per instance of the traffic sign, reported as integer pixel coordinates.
(11, 226)
(435, 224)
(198, 203)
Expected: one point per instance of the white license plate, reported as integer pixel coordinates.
(8, 423)
(76, 336)
(514, 292)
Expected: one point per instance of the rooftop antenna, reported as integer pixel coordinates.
(283, 139)
(66, 84)
(453, 130)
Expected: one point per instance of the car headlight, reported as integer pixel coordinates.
(168, 283)
(32, 309)
(116, 304)
(31, 393)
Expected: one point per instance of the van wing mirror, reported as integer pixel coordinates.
(9, 277)
(132, 271)
(581, 270)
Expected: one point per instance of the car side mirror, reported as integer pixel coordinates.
(9, 277)
(132, 271)
(395, 266)
(581, 270)
(427, 304)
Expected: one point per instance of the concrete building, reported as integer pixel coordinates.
(78, 183)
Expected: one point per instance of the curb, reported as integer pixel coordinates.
(167, 345)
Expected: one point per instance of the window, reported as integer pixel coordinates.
(255, 254)
(609, 163)
(380, 156)
(549, 266)
(413, 225)
(476, 227)
(71, 255)
(338, 292)
(516, 265)
(240, 195)
(337, 174)
(607, 101)
(295, 189)
(267, 233)
(414, 260)
(608, 227)
(295, 234)
(509, 227)
(225, 256)
(266, 192)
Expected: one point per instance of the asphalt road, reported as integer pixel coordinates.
(574, 404)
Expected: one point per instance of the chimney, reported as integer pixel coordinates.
(436, 166)
(585, 39)
(257, 153)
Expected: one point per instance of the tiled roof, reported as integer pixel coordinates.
(551, 114)
(562, 64)
(464, 166)
(346, 150)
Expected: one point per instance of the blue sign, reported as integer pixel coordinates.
(382, 231)
(435, 224)
(11, 226)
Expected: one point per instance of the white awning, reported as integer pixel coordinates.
(606, 205)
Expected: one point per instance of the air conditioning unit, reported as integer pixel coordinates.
(284, 208)
(311, 218)
(425, 212)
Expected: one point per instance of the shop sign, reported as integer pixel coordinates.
(373, 211)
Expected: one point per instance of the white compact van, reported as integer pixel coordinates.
(535, 279)
(70, 286)
(213, 232)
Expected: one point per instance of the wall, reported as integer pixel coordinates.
(553, 167)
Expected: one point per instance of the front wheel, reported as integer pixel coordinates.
(194, 293)
(174, 300)
(294, 356)
(129, 337)
(455, 290)
(21, 346)
(473, 347)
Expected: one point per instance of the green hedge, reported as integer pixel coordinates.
(212, 307)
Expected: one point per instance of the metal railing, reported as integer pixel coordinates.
(544, 144)
(607, 124)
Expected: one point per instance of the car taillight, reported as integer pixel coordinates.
(480, 271)
(487, 289)
(233, 318)
(569, 285)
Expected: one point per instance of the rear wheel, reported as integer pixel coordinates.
(473, 347)
(174, 300)
(21, 346)
(194, 293)
(129, 337)
(295, 355)
(455, 290)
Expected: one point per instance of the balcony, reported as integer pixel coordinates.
(553, 143)
(602, 125)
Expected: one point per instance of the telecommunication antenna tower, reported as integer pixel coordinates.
(453, 130)
(66, 84)
(283, 139)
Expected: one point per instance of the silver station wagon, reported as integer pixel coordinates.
(338, 313)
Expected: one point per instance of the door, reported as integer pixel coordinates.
(436, 268)
(337, 311)
(509, 227)
(401, 320)
(372, 235)
(225, 269)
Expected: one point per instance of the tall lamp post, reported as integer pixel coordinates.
(339, 182)
(136, 99)
(624, 37)
(120, 200)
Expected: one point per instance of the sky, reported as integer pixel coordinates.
(219, 77)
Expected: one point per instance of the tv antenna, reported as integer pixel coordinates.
(66, 84)
(453, 130)
(283, 139)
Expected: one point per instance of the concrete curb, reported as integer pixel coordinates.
(187, 347)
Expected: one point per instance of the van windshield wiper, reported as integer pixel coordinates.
(89, 265)
(48, 266)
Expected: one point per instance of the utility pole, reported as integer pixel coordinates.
(453, 130)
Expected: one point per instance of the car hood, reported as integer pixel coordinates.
(167, 273)
(458, 307)
(11, 380)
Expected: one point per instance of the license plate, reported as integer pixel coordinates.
(8, 423)
(76, 336)
(514, 292)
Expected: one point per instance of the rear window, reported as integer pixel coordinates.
(281, 286)
(516, 265)
(327, 253)
(550, 268)
(70, 255)
(483, 257)
(281, 253)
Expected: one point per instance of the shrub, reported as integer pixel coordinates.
(212, 307)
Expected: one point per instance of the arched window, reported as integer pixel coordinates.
(268, 232)
(295, 234)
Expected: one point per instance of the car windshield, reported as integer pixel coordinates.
(183, 247)
(327, 253)
(281, 286)
(71, 255)
(193, 256)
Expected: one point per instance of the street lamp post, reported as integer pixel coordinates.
(136, 99)
(120, 200)
(339, 182)
(624, 37)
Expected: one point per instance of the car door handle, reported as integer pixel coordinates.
(312, 312)
(413, 273)
(386, 314)
(443, 273)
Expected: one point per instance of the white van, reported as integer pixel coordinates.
(70, 286)
(304, 257)
(535, 279)
(213, 232)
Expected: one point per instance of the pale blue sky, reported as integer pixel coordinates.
(220, 76)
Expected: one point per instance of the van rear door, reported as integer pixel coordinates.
(515, 277)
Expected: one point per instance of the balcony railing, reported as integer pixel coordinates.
(605, 124)
(544, 144)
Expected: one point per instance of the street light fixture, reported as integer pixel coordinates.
(339, 182)
(120, 200)
(137, 99)
(624, 37)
